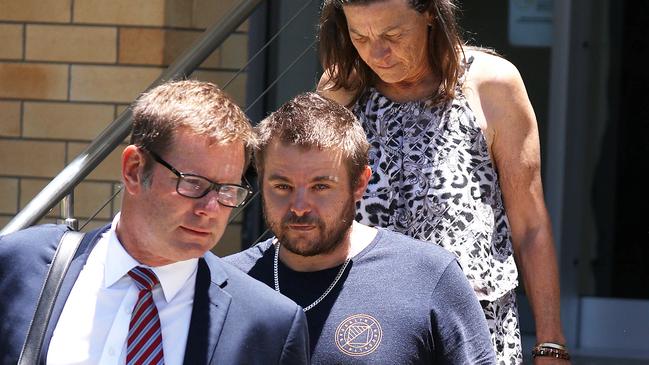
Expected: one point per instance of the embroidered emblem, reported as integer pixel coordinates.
(358, 335)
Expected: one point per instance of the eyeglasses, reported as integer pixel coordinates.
(196, 186)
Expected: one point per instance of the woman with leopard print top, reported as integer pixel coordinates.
(454, 151)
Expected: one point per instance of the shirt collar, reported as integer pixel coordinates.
(172, 277)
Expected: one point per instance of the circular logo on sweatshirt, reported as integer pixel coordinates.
(358, 335)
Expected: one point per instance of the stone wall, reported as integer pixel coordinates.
(69, 67)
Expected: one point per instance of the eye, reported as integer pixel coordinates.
(281, 187)
(393, 36)
(228, 191)
(321, 187)
(357, 38)
(193, 183)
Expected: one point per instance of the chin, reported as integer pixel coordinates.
(194, 249)
(302, 239)
(384, 76)
(302, 250)
(391, 76)
(295, 243)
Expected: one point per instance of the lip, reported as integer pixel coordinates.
(301, 227)
(384, 67)
(196, 231)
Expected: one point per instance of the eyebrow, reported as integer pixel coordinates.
(388, 29)
(278, 177)
(326, 178)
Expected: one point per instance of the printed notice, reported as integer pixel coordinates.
(530, 23)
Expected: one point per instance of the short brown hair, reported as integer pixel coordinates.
(339, 56)
(312, 121)
(197, 106)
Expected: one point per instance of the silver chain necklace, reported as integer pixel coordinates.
(317, 301)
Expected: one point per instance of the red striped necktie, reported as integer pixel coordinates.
(144, 342)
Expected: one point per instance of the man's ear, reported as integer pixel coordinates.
(363, 180)
(133, 162)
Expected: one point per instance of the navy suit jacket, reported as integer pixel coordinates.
(235, 319)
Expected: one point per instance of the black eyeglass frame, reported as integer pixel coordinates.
(213, 185)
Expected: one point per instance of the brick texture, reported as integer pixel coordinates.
(149, 46)
(9, 118)
(4, 220)
(29, 188)
(11, 39)
(69, 67)
(119, 109)
(31, 158)
(71, 43)
(109, 169)
(33, 81)
(66, 120)
(234, 51)
(110, 83)
(88, 197)
(208, 12)
(177, 13)
(8, 195)
(91, 196)
(57, 11)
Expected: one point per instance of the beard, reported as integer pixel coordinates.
(331, 236)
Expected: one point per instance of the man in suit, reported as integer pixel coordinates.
(146, 289)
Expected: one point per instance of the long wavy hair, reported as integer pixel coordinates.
(347, 70)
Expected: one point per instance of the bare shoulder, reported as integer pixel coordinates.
(498, 85)
(493, 73)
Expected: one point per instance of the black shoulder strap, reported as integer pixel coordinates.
(31, 351)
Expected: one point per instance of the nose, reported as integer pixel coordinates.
(208, 205)
(300, 205)
(379, 49)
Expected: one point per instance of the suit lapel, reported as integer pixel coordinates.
(87, 244)
(209, 311)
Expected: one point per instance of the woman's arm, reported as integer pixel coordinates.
(515, 148)
(341, 96)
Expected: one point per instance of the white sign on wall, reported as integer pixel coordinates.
(530, 23)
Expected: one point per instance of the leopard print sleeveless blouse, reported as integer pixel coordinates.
(433, 179)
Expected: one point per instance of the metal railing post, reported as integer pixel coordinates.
(67, 212)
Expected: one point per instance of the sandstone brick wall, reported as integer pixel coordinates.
(69, 67)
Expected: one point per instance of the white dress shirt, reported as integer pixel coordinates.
(94, 323)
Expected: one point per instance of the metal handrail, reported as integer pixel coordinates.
(119, 129)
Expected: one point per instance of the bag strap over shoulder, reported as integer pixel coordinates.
(68, 246)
